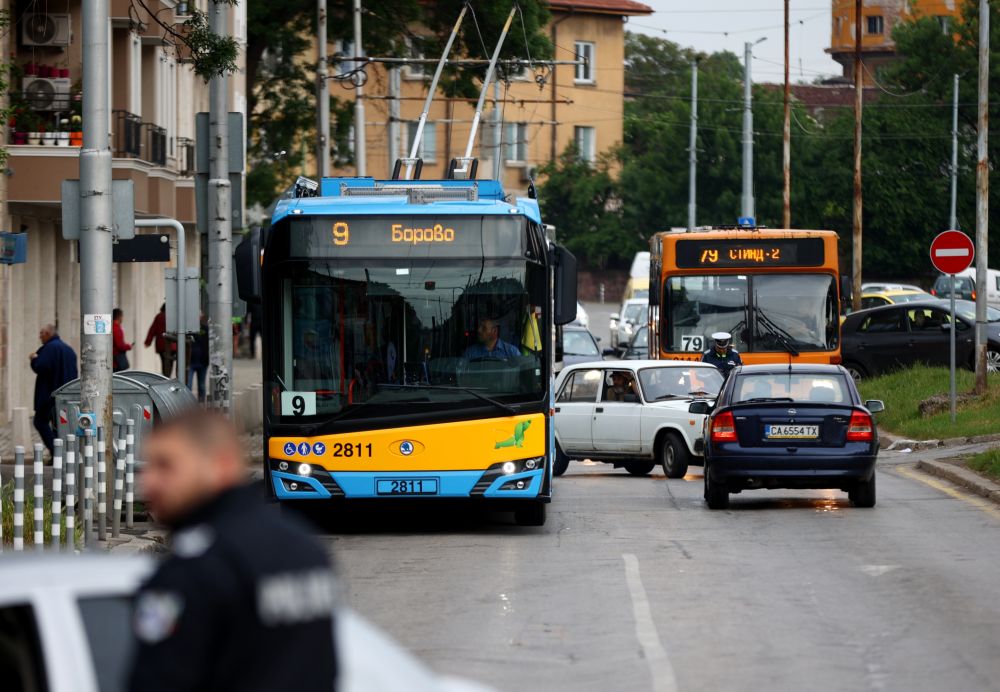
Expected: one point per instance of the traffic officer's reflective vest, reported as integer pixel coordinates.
(725, 363)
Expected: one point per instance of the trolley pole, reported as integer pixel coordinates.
(953, 217)
(858, 92)
(747, 206)
(95, 218)
(982, 194)
(693, 149)
(220, 231)
(360, 155)
(322, 94)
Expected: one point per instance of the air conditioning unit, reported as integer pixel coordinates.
(41, 29)
(44, 94)
(529, 173)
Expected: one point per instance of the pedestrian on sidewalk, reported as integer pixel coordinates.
(54, 365)
(121, 347)
(198, 364)
(166, 348)
(245, 599)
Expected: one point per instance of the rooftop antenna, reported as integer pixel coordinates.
(468, 162)
(415, 147)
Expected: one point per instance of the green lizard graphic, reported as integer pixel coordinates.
(517, 440)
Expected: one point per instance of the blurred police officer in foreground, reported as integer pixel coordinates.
(722, 354)
(245, 599)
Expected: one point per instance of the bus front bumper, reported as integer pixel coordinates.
(320, 484)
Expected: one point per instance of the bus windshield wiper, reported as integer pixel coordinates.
(773, 330)
(468, 390)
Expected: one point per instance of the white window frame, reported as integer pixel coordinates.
(428, 141)
(587, 50)
(879, 21)
(418, 71)
(515, 142)
(582, 133)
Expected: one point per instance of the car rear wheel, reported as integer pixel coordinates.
(640, 468)
(674, 456)
(716, 496)
(992, 361)
(856, 371)
(561, 463)
(863, 494)
(531, 515)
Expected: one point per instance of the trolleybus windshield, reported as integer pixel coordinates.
(396, 332)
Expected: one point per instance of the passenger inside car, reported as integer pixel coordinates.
(619, 386)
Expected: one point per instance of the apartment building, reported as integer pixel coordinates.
(153, 101)
(533, 123)
(878, 19)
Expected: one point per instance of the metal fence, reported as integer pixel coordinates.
(86, 458)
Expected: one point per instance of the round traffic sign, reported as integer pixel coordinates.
(952, 252)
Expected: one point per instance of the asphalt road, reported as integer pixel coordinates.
(634, 585)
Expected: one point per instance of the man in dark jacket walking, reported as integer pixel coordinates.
(54, 365)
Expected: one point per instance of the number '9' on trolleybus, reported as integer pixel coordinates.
(776, 291)
(408, 342)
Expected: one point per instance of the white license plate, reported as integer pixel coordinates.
(791, 432)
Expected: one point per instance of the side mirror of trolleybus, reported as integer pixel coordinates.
(565, 285)
(247, 260)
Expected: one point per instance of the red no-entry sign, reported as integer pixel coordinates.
(952, 252)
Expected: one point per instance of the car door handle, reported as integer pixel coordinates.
(557, 409)
(599, 409)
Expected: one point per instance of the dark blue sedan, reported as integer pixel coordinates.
(790, 426)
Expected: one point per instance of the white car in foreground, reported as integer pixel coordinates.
(633, 414)
(65, 626)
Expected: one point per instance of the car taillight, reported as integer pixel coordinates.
(724, 427)
(860, 428)
(973, 295)
(933, 291)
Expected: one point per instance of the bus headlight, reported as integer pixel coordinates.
(509, 468)
(305, 469)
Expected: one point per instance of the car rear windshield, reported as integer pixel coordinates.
(962, 283)
(803, 387)
(673, 382)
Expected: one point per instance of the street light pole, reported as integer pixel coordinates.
(982, 194)
(360, 155)
(786, 148)
(747, 210)
(220, 242)
(322, 94)
(96, 218)
(693, 149)
(858, 92)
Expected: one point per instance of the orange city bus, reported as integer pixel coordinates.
(775, 290)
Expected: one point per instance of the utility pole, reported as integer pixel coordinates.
(393, 129)
(982, 194)
(747, 205)
(322, 94)
(96, 218)
(786, 150)
(693, 148)
(220, 230)
(953, 217)
(858, 92)
(360, 155)
(497, 134)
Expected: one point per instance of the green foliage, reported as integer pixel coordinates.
(7, 517)
(903, 391)
(211, 54)
(987, 463)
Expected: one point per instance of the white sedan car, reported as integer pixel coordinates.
(624, 323)
(65, 626)
(633, 414)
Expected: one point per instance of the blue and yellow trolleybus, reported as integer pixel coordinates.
(408, 342)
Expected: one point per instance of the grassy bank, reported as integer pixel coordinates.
(987, 463)
(903, 391)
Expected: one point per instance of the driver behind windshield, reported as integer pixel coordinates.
(490, 345)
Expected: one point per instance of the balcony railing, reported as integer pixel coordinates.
(156, 144)
(135, 139)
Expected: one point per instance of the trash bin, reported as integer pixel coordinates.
(146, 397)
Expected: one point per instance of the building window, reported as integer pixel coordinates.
(876, 25)
(586, 145)
(944, 21)
(428, 141)
(585, 72)
(516, 142)
(415, 51)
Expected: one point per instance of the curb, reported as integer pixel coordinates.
(962, 477)
(891, 443)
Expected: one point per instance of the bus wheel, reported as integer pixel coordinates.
(530, 515)
(640, 468)
(562, 462)
(673, 456)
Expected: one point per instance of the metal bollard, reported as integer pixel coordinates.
(71, 491)
(116, 516)
(102, 491)
(88, 487)
(39, 488)
(19, 498)
(129, 472)
(57, 462)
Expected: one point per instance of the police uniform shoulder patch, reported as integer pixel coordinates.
(156, 615)
(194, 541)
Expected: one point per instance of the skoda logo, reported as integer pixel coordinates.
(406, 448)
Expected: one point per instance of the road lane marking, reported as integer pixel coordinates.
(877, 570)
(645, 630)
(978, 503)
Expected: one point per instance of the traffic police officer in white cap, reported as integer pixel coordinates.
(722, 355)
